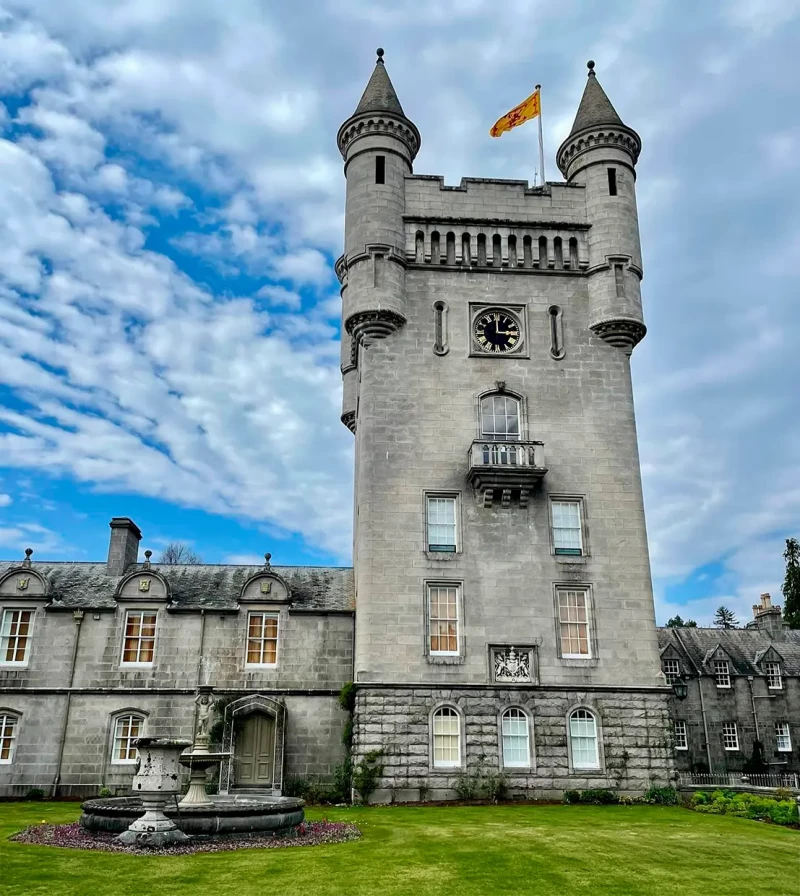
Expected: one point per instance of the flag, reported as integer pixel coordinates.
(527, 109)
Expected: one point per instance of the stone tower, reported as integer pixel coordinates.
(504, 605)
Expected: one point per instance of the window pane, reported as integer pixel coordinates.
(500, 417)
(14, 635)
(783, 737)
(8, 733)
(262, 639)
(573, 623)
(442, 523)
(140, 637)
(443, 618)
(583, 739)
(446, 737)
(515, 738)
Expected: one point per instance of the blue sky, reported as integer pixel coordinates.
(172, 204)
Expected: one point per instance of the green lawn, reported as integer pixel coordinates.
(511, 850)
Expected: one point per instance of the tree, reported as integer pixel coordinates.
(791, 584)
(177, 553)
(677, 622)
(725, 618)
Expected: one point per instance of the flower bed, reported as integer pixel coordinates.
(73, 836)
(746, 805)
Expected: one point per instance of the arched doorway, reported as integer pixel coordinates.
(253, 737)
(254, 755)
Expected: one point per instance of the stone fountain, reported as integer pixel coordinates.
(201, 759)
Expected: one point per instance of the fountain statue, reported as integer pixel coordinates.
(200, 759)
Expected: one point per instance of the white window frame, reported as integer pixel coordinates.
(774, 676)
(681, 735)
(116, 738)
(580, 551)
(783, 735)
(722, 676)
(449, 712)
(430, 633)
(493, 436)
(9, 731)
(520, 715)
(265, 614)
(5, 639)
(587, 599)
(672, 676)
(136, 664)
(442, 496)
(730, 737)
(592, 765)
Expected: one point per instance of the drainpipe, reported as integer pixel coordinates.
(702, 701)
(77, 615)
(753, 704)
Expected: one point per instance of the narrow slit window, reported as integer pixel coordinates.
(619, 280)
(482, 249)
(556, 333)
(558, 252)
(573, 254)
(419, 247)
(466, 249)
(497, 251)
(512, 251)
(380, 169)
(440, 328)
(435, 247)
(527, 252)
(451, 248)
(542, 253)
(612, 181)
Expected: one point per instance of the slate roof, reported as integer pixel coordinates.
(595, 108)
(198, 587)
(379, 95)
(741, 644)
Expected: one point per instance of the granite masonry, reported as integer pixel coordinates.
(499, 616)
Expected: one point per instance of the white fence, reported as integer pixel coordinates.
(788, 779)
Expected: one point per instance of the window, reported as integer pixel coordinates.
(440, 328)
(140, 638)
(380, 169)
(516, 747)
(500, 418)
(730, 736)
(567, 534)
(442, 524)
(573, 623)
(262, 639)
(612, 181)
(15, 636)
(443, 619)
(126, 729)
(672, 670)
(681, 740)
(446, 738)
(774, 680)
(8, 736)
(583, 739)
(783, 739)
(722, 673)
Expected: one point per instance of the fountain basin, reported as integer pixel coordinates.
(227, 814)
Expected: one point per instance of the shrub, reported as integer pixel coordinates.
(424, 792)
(661, 796)
(599, 797)
(756, 764)
(35, 794)
(105, 791)
(572, 796)
(495, 787)
(347, 734)
(467, 786)
(745, 805)
(347, 697)
(343, 781)
(367, 773)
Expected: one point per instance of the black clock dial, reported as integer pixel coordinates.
(496, 332)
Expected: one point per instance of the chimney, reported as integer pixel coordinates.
(123, 548)
(767, 618)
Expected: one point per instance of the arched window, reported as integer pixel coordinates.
(446, 738)
(9, 726)
(516, 742)
(500, 418)
(127, 727)
(583, 739)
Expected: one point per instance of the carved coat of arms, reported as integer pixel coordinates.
(512, 665)
(23, 582)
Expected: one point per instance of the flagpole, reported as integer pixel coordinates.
(541, 139)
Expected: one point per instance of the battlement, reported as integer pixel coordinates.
(476, 198)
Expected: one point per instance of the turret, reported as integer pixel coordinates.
(378, 144)
(601, 153)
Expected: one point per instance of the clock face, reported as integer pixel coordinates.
(496, 332)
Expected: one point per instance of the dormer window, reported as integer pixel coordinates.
(774, 677)
(722, 673)
(672, 670)
(15, 637)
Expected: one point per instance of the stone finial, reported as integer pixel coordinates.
(147, 556)
(267, 558)
(379, 51)
(27, 560)
(590, 66)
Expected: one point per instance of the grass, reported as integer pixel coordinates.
(462, 850)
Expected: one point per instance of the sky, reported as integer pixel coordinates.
(171, 205)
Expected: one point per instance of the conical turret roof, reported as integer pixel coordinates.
(595, 109)
(380, 95)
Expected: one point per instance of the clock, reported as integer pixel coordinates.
(496, 332)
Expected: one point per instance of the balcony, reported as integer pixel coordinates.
(499, 469)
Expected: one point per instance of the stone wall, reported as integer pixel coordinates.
(635, 743)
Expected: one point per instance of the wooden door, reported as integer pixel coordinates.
(254, 751)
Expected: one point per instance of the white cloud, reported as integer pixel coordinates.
(5, 500)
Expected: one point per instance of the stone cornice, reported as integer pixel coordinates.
(622, 332)
(498, 222)
(383, 123)
(366, 326)
(613, 136)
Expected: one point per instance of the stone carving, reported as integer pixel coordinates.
(205, 706)
(144, 584)
(23, 582)
(512, 665)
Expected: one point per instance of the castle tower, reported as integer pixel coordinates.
(601, 153)
(503, 594)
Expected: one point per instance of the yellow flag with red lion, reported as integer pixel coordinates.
(527, 109)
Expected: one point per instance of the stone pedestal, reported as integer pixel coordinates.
(156, 781)
(199, 761)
